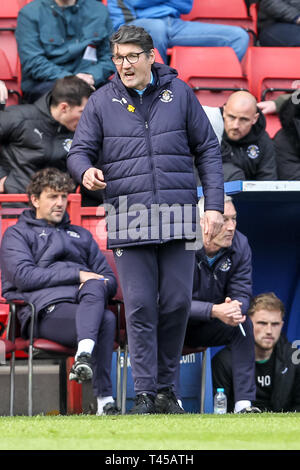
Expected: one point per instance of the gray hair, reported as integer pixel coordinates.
(202, 200)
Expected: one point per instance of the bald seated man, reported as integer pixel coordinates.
(247, 150)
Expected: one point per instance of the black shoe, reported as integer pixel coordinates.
(250, 409)
(144, 405)
(81, 370)
(109, 409)
(166, 402)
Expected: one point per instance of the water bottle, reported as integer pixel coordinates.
(220, 402)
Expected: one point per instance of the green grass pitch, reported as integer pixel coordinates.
(268, 431)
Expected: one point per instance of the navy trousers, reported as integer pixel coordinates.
(156, 281)
(216, 333)
(88, 318)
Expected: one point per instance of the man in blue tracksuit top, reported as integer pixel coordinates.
(222, 292)
(59, 268)
(138, 140)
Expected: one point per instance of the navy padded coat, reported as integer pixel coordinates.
(148, 157)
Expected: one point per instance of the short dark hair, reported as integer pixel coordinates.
(70, 89)
(266, 301)
(132, 34)
(49, 178)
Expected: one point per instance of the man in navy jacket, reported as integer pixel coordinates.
(138, 140)
(222, 292)
(59, 268)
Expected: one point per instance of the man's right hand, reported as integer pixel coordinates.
(93, 179)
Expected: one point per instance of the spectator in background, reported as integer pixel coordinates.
(150, 129)
(222, 291)
(162, 21)
(287, 141)
(247, 150)
(59, 268)
(278, 23)
(277, 371)
(39, 135)
(57, 38)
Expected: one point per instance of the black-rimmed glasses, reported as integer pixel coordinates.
(131, 58)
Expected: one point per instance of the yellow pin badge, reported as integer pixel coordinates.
(130, 108)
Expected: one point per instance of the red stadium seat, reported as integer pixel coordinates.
(272, 71)
(5, 69)
(213, 72)
(8, 21)
(9, 12)
(8, 44)
(11, 82)
(223, 12)
(273, 124)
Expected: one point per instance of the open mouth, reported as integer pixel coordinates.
(129, 74)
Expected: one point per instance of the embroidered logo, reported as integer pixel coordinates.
(39, 133)
(166, 96)
(73, 234)
(43, 234)
(226, 265)
(119, 252)
(253, 151)
(121, 101)
(67, 144)
(284, 371)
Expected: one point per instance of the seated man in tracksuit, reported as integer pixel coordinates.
(221, 295)
(60, 269)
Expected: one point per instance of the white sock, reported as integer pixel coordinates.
(241, 404)
(101, 402)
(85, 345)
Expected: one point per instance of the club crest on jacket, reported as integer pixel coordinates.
(166, 96)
